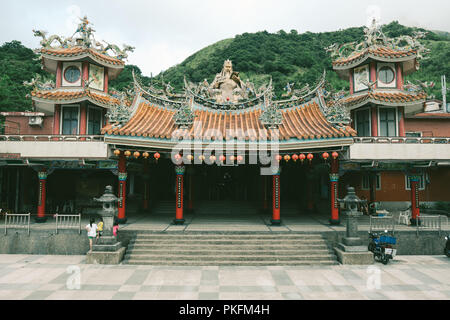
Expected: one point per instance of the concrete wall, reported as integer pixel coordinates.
(66, 242)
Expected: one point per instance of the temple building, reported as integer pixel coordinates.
(225, 141)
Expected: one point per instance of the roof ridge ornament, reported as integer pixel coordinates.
(85, 40)
(271, 116)
(334, 110)
(184, 117)
(375, 38)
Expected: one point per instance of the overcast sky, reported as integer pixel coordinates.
(167, 32)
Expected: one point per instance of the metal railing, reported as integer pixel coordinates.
(51, 137)
(68, 221)
(382, 224)
(428, 222)
(17, 221)
(390, 140)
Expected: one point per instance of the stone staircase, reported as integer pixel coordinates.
(229, 248)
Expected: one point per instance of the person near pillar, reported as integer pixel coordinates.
(334, 188)
(415, 209)
(122, 189)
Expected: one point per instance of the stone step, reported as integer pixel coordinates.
(237, 242)
(232, 252)
(175, 257)
(172, 247)
(268, 237)
(229, 263)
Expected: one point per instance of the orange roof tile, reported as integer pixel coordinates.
(381, 52)
(67, 96)
(303, 123)
(76, 51)
(394, 97)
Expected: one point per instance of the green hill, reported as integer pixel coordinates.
(285, 56)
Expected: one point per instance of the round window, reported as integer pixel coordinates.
(72, 74)
(386, 74)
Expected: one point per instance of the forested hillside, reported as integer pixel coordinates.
(285, 56)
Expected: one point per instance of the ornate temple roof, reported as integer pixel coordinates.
(386, 98)
(301, 122)
(379, 53)
(81, 45)
(75, 96)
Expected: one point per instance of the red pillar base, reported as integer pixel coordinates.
(40, 219)
(178, 221)
(335, 222)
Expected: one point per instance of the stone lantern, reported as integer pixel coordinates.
(108, 211)
(351, 250)
(107, 250)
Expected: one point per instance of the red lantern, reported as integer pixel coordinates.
(295, 157)
(190, 157)
(278, 157)
(239, 158)
(201, 158)
(212, 158)
(136, 154)
(310, 157)
(222, 158)
(325, 155)
(287, 158)
(117, 152)
(145, 155)
(157, 156)
(302, 157)
(335, 155)
(127, 153)
(232, 158)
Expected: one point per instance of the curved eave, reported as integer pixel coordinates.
(74, 101)
(368, 99)
(50, 62)
(169, 144)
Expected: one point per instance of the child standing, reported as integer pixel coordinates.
(99, 229)
(115, 228)
(91, 232)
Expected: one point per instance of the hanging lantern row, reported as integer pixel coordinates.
(222, 158)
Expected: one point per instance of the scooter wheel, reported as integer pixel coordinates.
(447, 253)
(384, 259)
(371, 247)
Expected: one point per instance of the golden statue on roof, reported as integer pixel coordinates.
(227, 86)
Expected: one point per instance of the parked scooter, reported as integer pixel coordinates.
(447, 246)
(382, 246)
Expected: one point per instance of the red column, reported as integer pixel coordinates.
(85, 73)
(56, 119)
(374, 121)
(415, 211)
(83, 119)
(122, 191)
(399, 76)
(59, 75)
(351, 81)
(42, 195)
(276, 199)
(401, 121)
(106, 80)
(179, 170)
(373, 73)
(334, 178)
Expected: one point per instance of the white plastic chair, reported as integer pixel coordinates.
(404, 216)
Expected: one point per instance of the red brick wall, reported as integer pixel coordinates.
(429, 128)
(393, 186)
(21, 122)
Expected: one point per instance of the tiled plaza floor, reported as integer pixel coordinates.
(51, 277)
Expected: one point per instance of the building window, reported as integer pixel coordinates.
(386, 75)
(388, 122)
(421, 182)
(363, 123)
(413, 134)
(366, 181)
(72, 74)
(70, 120)
(94, 120)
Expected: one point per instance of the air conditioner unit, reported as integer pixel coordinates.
(35, 121)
